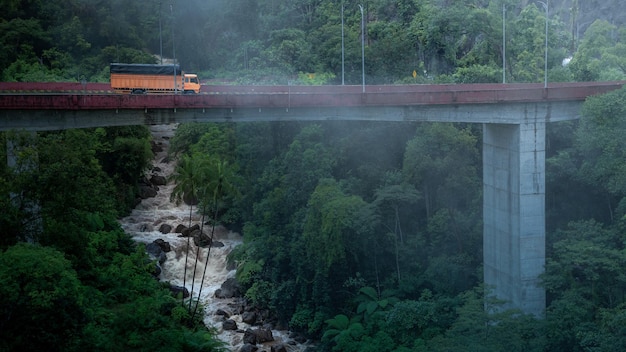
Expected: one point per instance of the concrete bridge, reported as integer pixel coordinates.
(514, 118)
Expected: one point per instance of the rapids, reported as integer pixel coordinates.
(143, 225)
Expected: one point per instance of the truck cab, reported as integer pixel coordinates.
(191, 83)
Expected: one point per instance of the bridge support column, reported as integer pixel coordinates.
(513, 213)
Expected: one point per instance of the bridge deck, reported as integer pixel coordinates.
(77, 96)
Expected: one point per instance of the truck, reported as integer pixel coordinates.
(152, 79)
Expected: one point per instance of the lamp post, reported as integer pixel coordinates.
(173, 48)
(160, 35)
(503, 44)
(545, 69)
(342, 50)
(362, 48)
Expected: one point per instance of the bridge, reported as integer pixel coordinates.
(514, 118)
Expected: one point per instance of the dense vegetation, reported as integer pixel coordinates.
(72, 280)
(366, 236)
(300, 41)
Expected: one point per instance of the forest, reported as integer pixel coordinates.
(363, 236)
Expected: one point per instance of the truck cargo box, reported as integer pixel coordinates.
(146, 78)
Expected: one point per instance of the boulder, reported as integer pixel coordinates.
(254, 336)
(165, 246)
(248, 348)
(176, 290)
(229, 324)
(158, 180)
(222, 313)
(187, 231)
(200, 239)
(249, 337)
(279, 348)
(249, 318)
(165, 228)
(146, 191)
(156, 252)
(229, 289)
(156, 147)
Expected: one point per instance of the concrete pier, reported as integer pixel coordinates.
(513, 213)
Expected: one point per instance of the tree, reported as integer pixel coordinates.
(218, 183)
(600, 54)
(43, 306)
(603, 149)
(187, 177)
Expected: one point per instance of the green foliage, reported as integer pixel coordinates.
(43, 304)
(600, 55)
(260, 293)
(84, 285)
(599, 140)
(329, 223)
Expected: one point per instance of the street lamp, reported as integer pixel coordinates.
(173, 48)
(545, 69)
(362, 48)
(342, 50)
(503, 44)
(160, 35)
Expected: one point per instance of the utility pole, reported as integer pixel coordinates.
(545, 68)
(362, 48)
(342, 50)
(503, 44)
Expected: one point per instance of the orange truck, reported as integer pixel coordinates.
(152, 79)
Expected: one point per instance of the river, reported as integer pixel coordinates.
(144, 223)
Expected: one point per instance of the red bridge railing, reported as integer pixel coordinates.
(86, 96)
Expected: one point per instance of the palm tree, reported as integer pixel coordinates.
(221, 179)
(186, 177)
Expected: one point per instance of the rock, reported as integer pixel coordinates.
(248, 318)
(156, 147)
(165, 246)
(176, 290)
(180, 228)
(200, 239)
(229, 324)
(156, 252)
(217, 244)
(257, 336)
(279, 348)
(229, 289)
(146, 191)
(299, 338)
(248, 348)
(264, 335)
(249, 337)
(158, 180)
(187, 231)
(165, 228)
(222, 313)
